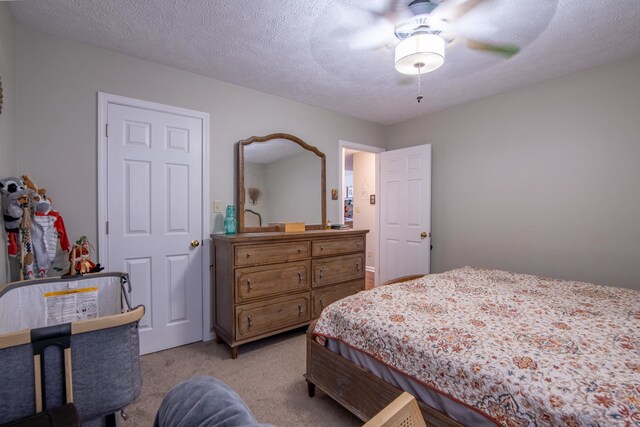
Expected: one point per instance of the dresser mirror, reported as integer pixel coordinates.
(280, 179)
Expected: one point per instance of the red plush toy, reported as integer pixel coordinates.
(80, 258)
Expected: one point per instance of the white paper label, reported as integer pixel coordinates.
(71, 305)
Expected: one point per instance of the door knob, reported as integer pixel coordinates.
(424, 234)
(195, 243)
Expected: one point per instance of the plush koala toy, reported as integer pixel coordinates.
(14, 193)
(12, 189)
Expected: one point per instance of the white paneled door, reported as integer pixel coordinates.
(405, 212)
(154, 213)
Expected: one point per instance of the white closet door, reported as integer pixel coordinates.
(154, 175)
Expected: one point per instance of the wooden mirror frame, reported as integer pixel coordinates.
(241, 189)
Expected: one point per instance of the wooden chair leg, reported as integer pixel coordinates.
(311, 388)
(110, 420)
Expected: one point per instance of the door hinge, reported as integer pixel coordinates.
(107, 227)
(211, 268)
(106, 130)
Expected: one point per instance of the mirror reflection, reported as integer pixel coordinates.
(282, 183)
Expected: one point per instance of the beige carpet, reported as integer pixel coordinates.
(267, 375)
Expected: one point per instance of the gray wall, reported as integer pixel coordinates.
(8, 140)
(57, 84)
(544, 179)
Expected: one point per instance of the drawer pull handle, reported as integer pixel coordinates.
(321, 303)
(321, 272)
(249, 284)
(250, 321)
(299, 250)
(248, 254)
(357, 243)
(300, 276)
(299, 310)
(358, 266)
(322, 248)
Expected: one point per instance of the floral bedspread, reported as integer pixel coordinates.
(522, 350)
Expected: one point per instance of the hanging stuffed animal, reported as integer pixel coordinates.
(12, 190)
(47, 227)
(43, 236)
(26, 257)
(29, 251)
(80, 258)
(30, 184)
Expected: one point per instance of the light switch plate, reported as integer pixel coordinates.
(217, 206)
(357, 209)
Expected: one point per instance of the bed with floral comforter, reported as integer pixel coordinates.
(521, 350)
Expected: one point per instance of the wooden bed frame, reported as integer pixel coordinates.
(359, 391)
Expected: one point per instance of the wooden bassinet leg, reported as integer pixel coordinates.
(68, 378)
(38, 382)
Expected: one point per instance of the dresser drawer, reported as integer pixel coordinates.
(327, 271)
(323, 297)
(268, 253)
(259, 318)
(337, 246)
(257, 282)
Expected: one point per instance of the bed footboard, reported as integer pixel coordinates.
(359, 391)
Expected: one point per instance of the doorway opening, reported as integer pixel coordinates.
(359, 209)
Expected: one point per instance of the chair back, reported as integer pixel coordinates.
(402, 412)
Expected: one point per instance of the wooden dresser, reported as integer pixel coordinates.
(267, 283)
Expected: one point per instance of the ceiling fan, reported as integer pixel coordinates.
(423, 28)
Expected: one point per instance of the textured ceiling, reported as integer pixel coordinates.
(301, 49)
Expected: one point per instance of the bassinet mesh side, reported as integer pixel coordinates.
(23, 304)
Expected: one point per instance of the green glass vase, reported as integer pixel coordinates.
(230, 222)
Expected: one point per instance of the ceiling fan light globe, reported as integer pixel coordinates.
(419, 54)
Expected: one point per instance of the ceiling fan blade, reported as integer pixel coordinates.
(387, 9)
(371, 23)
(394, 9)
(452, 10)
(465, 7)
(372, 37)
(504, 50)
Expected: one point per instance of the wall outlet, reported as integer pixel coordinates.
(357, 209)
(369, 253)
(217, 206)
